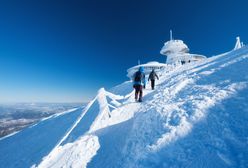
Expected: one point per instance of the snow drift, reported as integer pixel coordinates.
(196, 117)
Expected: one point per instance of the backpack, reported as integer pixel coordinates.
(138, 76)
(153, 75)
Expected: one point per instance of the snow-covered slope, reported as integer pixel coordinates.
(196, 117)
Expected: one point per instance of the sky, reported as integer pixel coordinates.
(64, 51)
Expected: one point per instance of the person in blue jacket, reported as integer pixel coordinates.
(139, 83)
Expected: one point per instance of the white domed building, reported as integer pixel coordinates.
(148, 67)
(178, 52)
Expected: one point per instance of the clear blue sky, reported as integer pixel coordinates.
(64, 51)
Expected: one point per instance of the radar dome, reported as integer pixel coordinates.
(174, 47)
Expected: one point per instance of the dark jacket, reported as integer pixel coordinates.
(153, 75)
(141, 81)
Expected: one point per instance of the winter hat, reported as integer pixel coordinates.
(141, 69)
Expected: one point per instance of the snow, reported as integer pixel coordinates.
(196, 117)
(29, 146)
(72, 153)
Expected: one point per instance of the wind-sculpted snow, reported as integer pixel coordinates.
(179, 124)
(73, 154)
(180, 107)
(196, 117)
(183, 100)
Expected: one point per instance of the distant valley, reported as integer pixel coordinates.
(15, 117)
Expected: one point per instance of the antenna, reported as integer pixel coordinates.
(171, 38)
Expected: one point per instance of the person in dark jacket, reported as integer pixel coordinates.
(139, 83)
(152, 77)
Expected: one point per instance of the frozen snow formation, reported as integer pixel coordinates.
(196, 117)
(238, 44)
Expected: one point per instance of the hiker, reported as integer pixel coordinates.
(139, 83)
(152, 77)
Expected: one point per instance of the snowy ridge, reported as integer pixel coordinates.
(104, 106)
(72, 153)
(35, 141)
(182, 99)
(106, 101)
(74, 125)
(197, 111)
(57, 149)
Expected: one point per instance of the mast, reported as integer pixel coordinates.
(171, 38)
